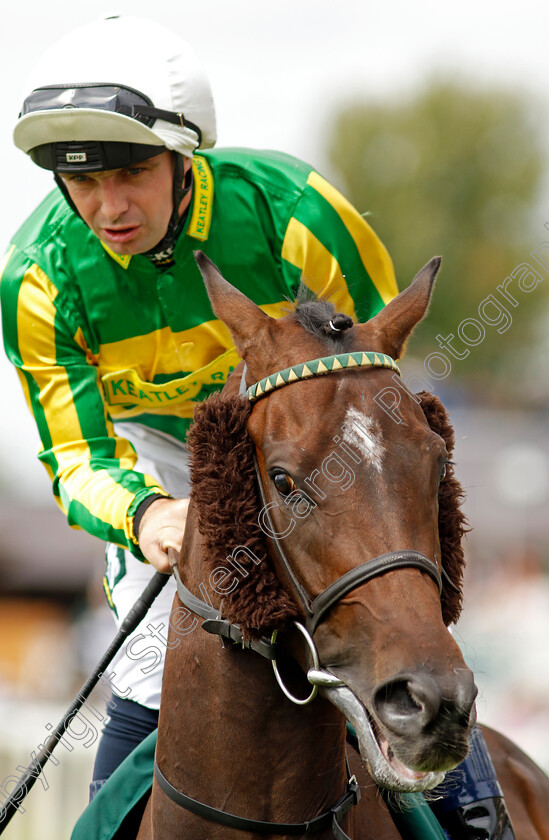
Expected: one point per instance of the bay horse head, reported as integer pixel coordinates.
(353, 490)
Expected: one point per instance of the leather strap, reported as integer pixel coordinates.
(213, 623)
(365, 572)
(316, 608)
(328, 819)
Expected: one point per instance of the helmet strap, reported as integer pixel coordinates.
(63, 187)
(182, 185)
(162, 252)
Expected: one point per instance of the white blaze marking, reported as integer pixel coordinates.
(363, 432)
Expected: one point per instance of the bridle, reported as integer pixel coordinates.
(314, 608)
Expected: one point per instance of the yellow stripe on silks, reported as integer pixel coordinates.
(97, 491)
(25, 387)
(276, 310)
(123, 451)
(108, 592)
(125, 387)
(201, 214)
(373, 253)
(26, 393)
(121, 259)
(324, 276)
(163, 352)
(206, 350)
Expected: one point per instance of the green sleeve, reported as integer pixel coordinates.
(90, 467)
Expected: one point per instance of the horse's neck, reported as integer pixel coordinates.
(228, 737)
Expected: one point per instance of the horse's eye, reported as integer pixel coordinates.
(284, 483)
(443, 472)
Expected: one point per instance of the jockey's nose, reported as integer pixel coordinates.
(113, 199)
(409, 703)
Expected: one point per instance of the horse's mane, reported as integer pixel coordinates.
(225, 493)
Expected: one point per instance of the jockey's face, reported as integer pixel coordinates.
(128, 209)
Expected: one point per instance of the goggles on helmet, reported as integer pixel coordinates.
(105, 97)
(93, 155)
(115, 98)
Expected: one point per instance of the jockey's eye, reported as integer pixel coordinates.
(283, 482)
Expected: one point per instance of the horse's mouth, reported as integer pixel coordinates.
(385, 768)
(419, 779)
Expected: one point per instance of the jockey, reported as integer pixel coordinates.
(107, 321)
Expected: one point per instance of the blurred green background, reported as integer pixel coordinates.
(458, 168)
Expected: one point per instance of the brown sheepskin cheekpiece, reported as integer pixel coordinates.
(224, 490)
(225, 494)
(452, 524)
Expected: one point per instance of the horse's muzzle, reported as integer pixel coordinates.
(411, 704)
(425, 722)
(414, 728)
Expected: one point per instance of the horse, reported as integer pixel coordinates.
(323, 553)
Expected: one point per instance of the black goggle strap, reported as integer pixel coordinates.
(167, 116)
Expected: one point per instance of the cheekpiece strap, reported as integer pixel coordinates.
(215, 624)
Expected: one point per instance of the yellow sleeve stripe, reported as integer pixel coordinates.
(36, 331)
(95, 490)
(372, 252)
(324, 276)
(25, 386)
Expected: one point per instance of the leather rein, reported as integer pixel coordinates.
(314, 608)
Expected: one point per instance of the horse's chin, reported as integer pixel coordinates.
(385, 768)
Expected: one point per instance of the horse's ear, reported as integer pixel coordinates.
(241, 315)
(393, 324)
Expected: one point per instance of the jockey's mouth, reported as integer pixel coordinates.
(119, 234)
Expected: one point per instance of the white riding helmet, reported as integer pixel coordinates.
(114, 92)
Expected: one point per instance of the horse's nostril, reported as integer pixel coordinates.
(399, 697)
(406, 705)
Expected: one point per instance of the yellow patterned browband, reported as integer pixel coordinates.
(319, 367)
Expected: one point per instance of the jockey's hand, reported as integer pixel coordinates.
(162, 527)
